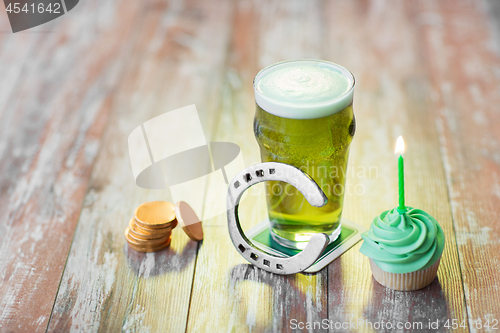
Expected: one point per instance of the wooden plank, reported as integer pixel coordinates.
(381, 48)
(228, 294)
(52, 122)
(462, 56)
(177, 61)
(15, 50)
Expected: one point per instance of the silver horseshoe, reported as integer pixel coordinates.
(306, 185)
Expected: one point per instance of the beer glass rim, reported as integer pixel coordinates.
(344, 71)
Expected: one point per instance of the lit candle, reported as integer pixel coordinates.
(400, 149)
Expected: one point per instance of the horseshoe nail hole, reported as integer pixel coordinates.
(248, 177)
(267, 263)
(259, 173)
(279, 266)
(236, 184)
(272, 171)
(254, 256)
(242, 248)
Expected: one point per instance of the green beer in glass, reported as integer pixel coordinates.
(304, 118)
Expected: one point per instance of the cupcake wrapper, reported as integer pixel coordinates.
(405, 282)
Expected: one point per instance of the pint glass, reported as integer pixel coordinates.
(304, 118)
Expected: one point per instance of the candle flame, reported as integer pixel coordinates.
(400, 146)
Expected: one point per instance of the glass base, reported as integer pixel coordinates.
(302, 244)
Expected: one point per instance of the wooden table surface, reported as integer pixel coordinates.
(72, 90)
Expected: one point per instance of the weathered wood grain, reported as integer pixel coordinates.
(463, 58)
(228, 294)
(177, 61)
(52, 119)
(382, 49)
(15, 50)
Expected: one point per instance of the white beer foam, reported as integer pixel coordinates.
(304, 89)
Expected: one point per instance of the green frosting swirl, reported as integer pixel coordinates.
(403, 243)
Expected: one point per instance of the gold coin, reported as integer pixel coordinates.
(189, 221)
(151, 248)
(152, 231)
(142, 240)
(144, 243)
(155, 214)
(154, 228)
(144, 233)
(150, 237)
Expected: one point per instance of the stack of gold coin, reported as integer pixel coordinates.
(150, 229)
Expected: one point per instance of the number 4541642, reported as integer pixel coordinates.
(40, 8)
(478, 324)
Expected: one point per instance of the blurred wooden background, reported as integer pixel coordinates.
(73, 89)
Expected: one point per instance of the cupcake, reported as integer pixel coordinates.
(404, 248)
